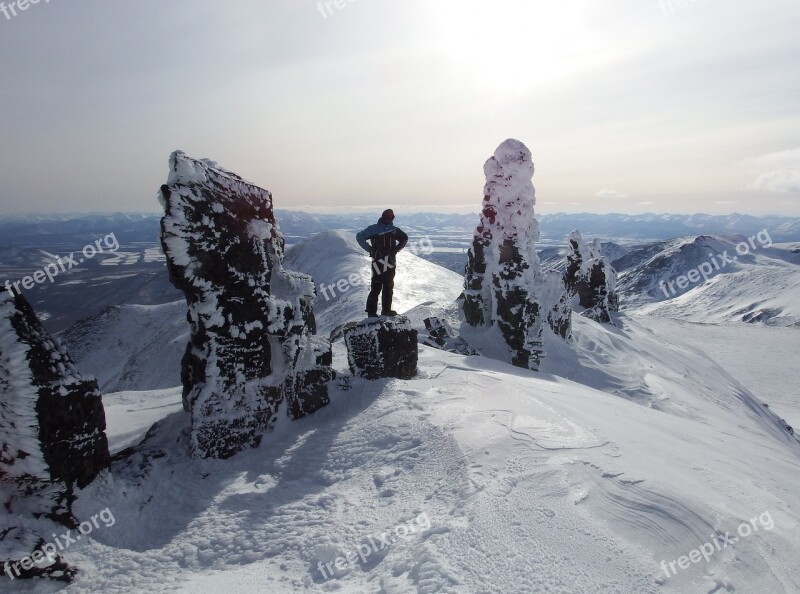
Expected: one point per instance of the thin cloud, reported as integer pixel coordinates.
(778, 181)
(789, 160)
(782, 173)
(610, 194)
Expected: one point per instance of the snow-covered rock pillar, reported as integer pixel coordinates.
(252, 347)
(504, 283)
(589, 276)
(52, 437)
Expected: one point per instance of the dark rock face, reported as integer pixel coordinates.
(504, 284)
(252, 343)
(382, 347)
(440, 337)
(589, 276)
(437, 333)
(53, 430)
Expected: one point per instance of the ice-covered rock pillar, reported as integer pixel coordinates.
(588, 275)
(52, 437)
(252, 346)
(504, 283)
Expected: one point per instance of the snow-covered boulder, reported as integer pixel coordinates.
(53, 425)
(505, 285)
(252, 346)
(382, 347)
(589, 275)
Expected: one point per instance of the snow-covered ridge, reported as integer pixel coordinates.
(531, 482)
(705, 279)
(630, 447)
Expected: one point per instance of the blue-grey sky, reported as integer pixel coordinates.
(627, 105)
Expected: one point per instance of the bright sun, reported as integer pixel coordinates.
(513, 44)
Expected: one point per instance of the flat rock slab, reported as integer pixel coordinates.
(381, 348)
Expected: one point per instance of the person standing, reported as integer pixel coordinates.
(382, 240)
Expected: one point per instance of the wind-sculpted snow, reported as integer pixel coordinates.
(589, 276)
(504, 285)
(53, 436)
(531, 483)
(252, 346)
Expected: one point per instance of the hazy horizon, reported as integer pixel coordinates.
(641, 107)
(400, 210)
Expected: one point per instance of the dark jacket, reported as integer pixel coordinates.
(382, 240)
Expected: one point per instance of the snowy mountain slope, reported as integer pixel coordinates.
(763, 358)
(498, 479)
(334, 257)
(769, 294)
(657, 371)
(129, 415)
(137, 347)
(504, 480)
(762, 285)
(649, 280)
(132, 347)
(641, 360)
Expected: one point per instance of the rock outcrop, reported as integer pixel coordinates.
(252, 347)
(440, 337)
(381, 348)
(504, 284)
(52, 424)
(589, 275)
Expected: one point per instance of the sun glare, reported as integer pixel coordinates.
(513, 44)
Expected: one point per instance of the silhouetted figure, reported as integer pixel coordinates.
(382, 240)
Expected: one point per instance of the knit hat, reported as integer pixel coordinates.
(388, 214)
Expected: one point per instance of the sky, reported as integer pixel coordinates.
(629, 106)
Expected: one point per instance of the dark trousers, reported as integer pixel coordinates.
(382, 282)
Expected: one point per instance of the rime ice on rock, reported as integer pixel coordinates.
(440, 337)
(382, 347)
(504, 283)
(589, 275)
(53, 425)
(252, 344)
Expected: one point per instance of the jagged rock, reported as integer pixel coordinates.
(382, 347)
(440, 337)
(589, 276)
(53, 435)
(437, 333)
(504, 284)
(252, 345)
